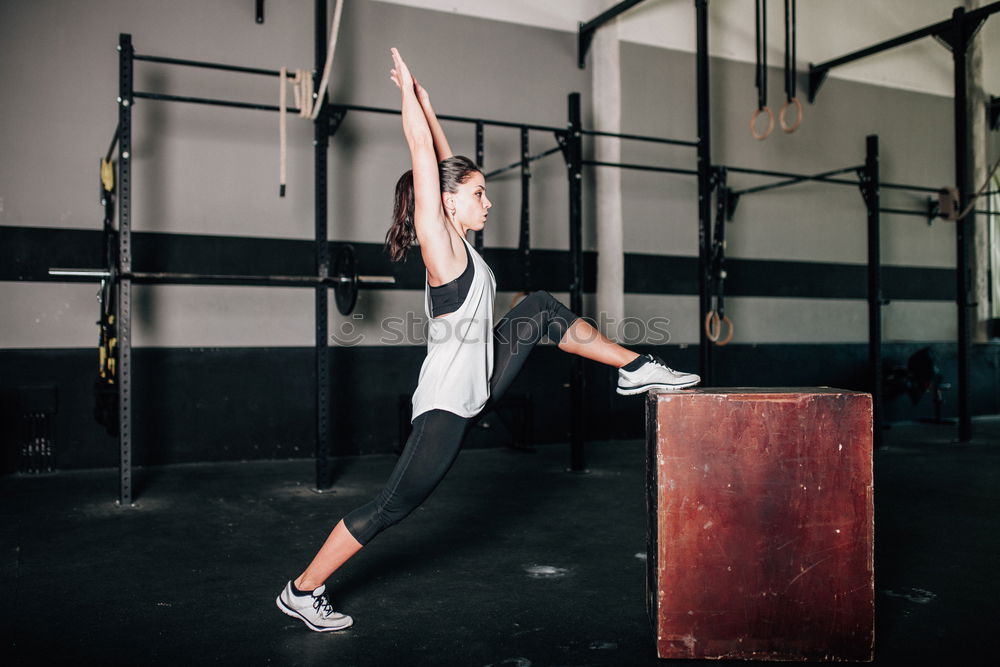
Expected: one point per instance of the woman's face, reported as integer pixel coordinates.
(470, 202)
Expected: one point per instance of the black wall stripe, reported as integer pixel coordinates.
(257, 403)
(26, 253)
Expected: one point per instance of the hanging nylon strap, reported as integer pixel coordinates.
(760, 16)
(718, 327)
(790, 48)
(760, 75)
(791, 56)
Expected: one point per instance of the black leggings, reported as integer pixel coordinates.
(437, 435)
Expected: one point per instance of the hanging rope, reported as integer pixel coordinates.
(302, 90)
(790, 72)
(308, 102)
(334, 30)
(282, 132)
(760, 16)
(972, 202)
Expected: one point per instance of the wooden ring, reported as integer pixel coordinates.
(712, 326)
(770, 123)
(798, 115)
(729, 335)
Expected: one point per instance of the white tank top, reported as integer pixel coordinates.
(456, 374)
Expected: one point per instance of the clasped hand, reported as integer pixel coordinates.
(400, 75)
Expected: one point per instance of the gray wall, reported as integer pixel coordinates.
(205, 170)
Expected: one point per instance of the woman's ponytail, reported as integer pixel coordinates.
(402, 234)
(452, 172)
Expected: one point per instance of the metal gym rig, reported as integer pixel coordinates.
(957, 31)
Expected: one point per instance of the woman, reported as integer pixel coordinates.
(469, 361)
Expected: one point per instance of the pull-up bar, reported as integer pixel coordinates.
(957, 33)
(162, 97)
(640, 167)
(458, 119)
(527, 160)
(793, 179)
(336, 107)
(207, 65)
(586, 32)
(640, 137)
(930, 214)
(942, 29)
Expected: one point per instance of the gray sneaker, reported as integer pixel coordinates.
(314, 610)
(653, 374)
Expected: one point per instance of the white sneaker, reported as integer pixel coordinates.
(653, 374)
(314, 610)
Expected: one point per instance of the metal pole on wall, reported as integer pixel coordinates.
(965, 227)
(704, 189)
(124, 370)
(322, 141)
(480, 155)
(870, 190)
(575, 155)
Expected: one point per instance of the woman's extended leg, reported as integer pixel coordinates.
(540, 314)
(430, 451)
(584, 340)
(337, 550)
(516, 334)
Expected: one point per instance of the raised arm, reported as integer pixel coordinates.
(433, 233)
(441, 146)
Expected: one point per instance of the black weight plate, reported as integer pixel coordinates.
(346, 292)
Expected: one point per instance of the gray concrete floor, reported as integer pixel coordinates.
(189, 575)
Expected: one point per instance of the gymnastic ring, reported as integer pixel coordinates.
(798, 115)
(517, 298)
(770, 123)
(712, 326)
(729, 335)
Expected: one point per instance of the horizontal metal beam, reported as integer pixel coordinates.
(334, 107)
(459, 119)
(168, 278)
(639, 137)
(211, 102)
(796, 179)
(586, 32)
(514, 165)
(912, 188)
(207, 65)
(640, 167)
(923, 214)
(817, 73)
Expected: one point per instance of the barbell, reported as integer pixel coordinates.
(345, 280)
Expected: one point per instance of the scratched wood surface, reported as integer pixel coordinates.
(761, 523)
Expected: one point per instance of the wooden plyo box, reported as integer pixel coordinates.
(761, 523)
